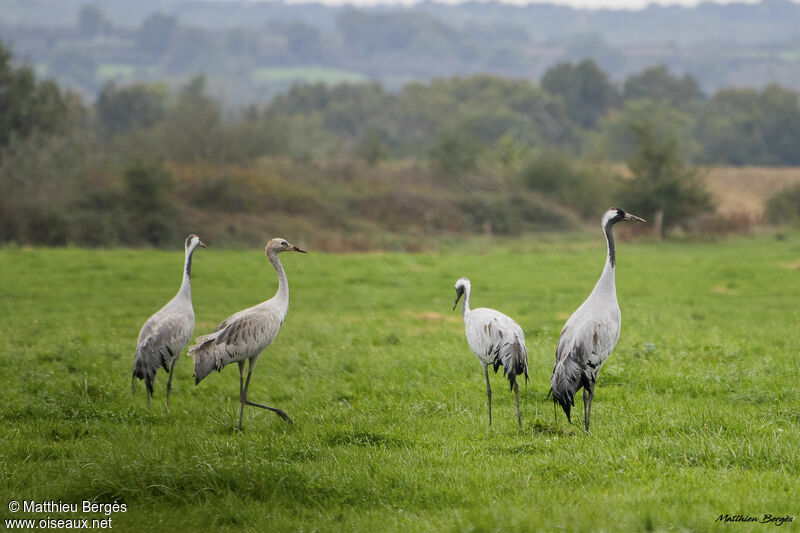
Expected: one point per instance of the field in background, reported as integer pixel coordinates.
(310, 74)
(745, 190)
(695, 414)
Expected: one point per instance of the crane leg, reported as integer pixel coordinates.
(169, 382)
(245, 401)
(241, 394)
(488, 394)
(555, 412)
(516, 396)
(587, 406)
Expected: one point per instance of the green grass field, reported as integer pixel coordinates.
(696, 412)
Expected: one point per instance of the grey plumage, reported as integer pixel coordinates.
(167, 332)
(591, 332)
(244, 335)
(496, 340)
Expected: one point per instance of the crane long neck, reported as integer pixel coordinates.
(465, 310)
(186, 284)
(606, 281)
(282, 296)
(612, 256)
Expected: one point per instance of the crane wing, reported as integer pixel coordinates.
(163, 337)
(497, 340)
(238, 337)
(583, 347)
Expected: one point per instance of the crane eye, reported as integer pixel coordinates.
(284, 243)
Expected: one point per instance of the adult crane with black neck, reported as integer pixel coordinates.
(591, 333)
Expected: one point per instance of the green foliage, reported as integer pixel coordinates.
(372, 149)
(662, 182)
(454, 152)
(43, 179)
(372, 34)
(233, 44)
(28, 105)
(193, 126)
(150, 211)
(658, 84)
(616, 139)
(695, 413)
(587, 91)
(581, 186)
(745, 126)
(783, 207)
(124, 109)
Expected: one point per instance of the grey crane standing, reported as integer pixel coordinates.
(591, 332)
(496, 340)
(244, 335)
(166, 333)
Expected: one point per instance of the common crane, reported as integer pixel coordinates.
(496, 340)
(166, 333)
(591, 332)
(244, 335)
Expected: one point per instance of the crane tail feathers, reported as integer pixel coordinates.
(205, 360)
(567, 380)
(513, 357)
(143, 370)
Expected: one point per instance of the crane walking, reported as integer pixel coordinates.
(591, 332)
(244, 335)
(496, 340)
(166, 333)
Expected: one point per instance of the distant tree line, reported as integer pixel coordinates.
(143, 163)
(251, 51)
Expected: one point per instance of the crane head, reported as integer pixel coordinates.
(461, 287)
(194, 240)
(278, 245)
(614, 215)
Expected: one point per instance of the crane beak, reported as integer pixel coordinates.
(629, 216)
(458, 297)
(297, 249)
(201, 243)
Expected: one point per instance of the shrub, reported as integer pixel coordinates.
(783, 207)
(578, 186)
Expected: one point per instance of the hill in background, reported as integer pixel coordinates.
(251, 51)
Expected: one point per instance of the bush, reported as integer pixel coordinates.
(150, 210)
(514, 214)
(783, 207)
(662, 182)
(584, 189)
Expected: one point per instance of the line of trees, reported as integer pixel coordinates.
(235, 42)
(143, 164)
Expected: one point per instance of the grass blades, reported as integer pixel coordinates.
(695, 415)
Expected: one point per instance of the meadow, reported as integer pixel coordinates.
(696, 412)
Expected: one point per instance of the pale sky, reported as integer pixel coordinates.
(591, 4)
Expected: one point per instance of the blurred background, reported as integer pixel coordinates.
(392, 127)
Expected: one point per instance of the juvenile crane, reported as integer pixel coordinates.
(243, 336)
(591, 332)
(496, 340)
(166, 333)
